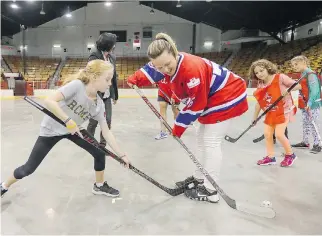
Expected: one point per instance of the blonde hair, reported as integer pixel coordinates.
(268, 65)
(301, 58)
(92, 71)
(161, 43)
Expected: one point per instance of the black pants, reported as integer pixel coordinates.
(286, 134)
(93, 123)
(44, 144)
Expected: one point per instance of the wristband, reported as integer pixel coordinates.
(71, 126)
(68, 119)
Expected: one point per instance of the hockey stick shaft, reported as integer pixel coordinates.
(229, 201)
(90, 139)
(265, 112)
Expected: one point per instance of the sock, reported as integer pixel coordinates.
(4, 186)
(99, 184)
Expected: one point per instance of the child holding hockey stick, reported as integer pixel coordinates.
(273, 85)
(74, 103)
(309, 103)
(211, 93)
(164, 94)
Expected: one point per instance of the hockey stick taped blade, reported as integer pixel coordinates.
(256, 140)
(266, 212)
(230, 139)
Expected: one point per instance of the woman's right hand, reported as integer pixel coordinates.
(73, 128)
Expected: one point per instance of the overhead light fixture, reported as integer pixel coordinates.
(68, 15)
(42, 12)
(152, 11)
(90, 45)
(14, 6)
(56, 45)
(108, 4)
(178, 4)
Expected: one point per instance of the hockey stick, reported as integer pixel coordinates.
(90, 139)
(256, 140)
(243, 207)
(234, 140)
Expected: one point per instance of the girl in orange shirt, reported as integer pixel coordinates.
(271, 86)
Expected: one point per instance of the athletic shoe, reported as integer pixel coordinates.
(162, 135)
(288, 160)
(301, 145)
(316, 149)
(3, 190)
(267, 161)
(190, 182)
(105, 190)
(201, 193)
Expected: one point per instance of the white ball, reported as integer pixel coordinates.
(266, 204)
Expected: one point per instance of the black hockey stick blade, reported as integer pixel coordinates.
(256, 140)
(90, 139)
(234, 140)
(243, 207)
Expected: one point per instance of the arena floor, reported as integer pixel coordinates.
(57, 198)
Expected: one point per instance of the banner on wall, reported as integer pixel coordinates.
(136, 41)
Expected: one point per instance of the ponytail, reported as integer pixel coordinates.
(161, 43)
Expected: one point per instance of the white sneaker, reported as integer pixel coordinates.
(162, 135)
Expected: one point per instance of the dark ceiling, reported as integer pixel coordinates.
(268, 16)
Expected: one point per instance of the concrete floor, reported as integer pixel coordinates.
(57, 198)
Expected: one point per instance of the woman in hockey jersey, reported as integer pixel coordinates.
(212, 94)
(273, 85)
(165, 98)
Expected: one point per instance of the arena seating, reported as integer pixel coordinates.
(37, 69)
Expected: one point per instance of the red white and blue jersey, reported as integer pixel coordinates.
(210, 92)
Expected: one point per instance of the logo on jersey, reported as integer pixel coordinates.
(193, 82)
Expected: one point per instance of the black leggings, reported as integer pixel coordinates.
(44, 144)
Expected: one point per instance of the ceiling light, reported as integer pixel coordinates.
(108, 4)
(68, 13)
(178, 4)
(56, 45)
(42, 12)
(14, 6)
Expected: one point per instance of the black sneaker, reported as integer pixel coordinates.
(301, 145)
(190, 182)
(316, 149)
(201, 193)
(3, 190)
(105, 190)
